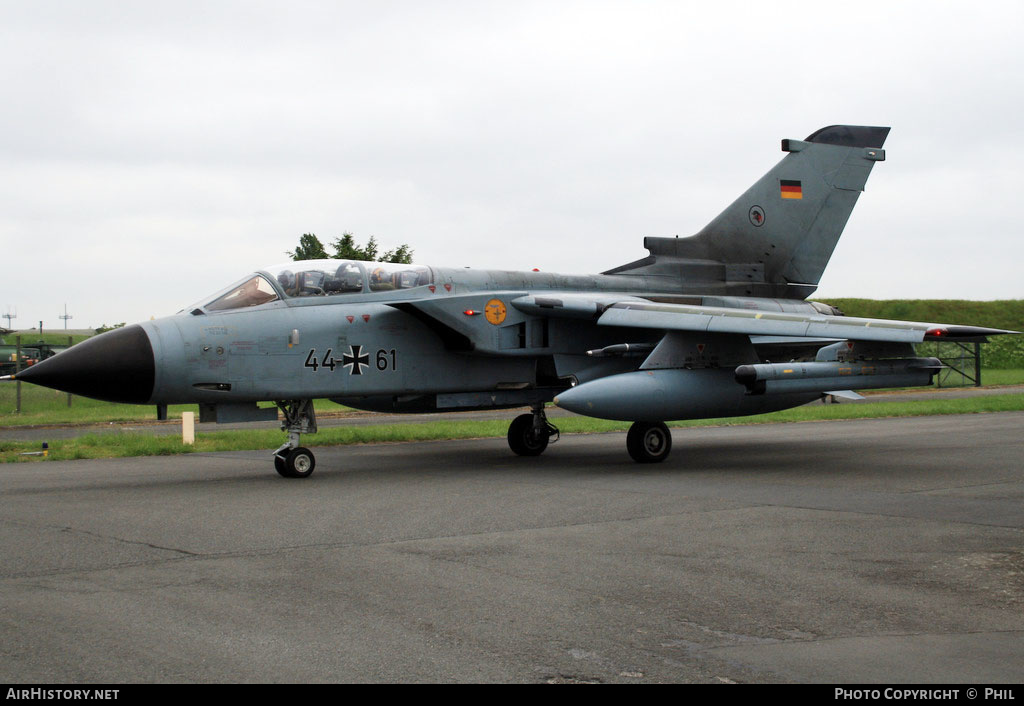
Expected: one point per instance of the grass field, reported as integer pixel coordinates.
(54, 339)
(42, 406)
(120, 445)
(995, 378)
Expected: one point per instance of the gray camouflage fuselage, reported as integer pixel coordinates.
(421, 352)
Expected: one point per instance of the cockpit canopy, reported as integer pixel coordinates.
(252, 292)
(319, 278)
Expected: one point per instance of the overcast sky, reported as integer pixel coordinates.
(153, 153)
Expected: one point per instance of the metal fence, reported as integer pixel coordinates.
(21, 359)
(963, 364)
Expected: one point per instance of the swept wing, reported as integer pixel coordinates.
(634, 313)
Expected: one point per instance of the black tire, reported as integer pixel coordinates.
(281, 467)
(523, 439)
(299, 463)
(648, 442)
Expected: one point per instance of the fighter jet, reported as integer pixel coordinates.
(713, 325)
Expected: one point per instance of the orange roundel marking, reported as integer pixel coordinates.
(495, 311)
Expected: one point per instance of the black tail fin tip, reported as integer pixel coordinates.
(850, 136)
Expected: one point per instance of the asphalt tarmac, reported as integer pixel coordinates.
(886, 550)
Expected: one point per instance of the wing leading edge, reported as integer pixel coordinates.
(683, 317)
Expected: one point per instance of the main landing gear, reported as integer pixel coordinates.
(529, 434)
(648, 442)
(292, 460)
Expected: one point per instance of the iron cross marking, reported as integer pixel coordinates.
(355, 362)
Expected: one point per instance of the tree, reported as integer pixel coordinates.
(346, 248)
(401, 254)
(310, 248)
(104, 328)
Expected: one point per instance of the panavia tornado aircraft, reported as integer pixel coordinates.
(712, 325)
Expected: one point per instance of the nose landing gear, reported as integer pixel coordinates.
(292, 460)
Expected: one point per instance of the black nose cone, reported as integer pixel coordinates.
(116, 366)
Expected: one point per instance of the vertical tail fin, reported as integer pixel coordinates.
(791, 219)
(783, 229)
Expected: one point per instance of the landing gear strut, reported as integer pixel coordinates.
(292, 460)
(648, 442)
(529, 434)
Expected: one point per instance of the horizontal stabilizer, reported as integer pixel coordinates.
(844, 395)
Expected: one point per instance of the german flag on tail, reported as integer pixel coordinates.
(790, 189)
